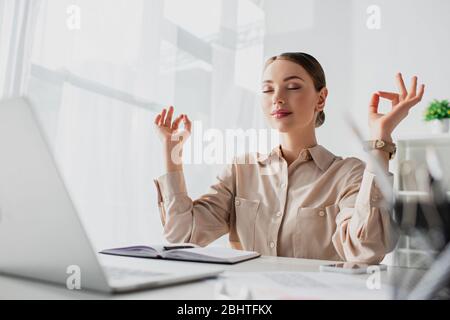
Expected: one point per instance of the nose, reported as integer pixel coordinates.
(277, 99)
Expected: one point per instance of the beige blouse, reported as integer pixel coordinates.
(321, 206)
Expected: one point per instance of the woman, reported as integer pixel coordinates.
(317, 205)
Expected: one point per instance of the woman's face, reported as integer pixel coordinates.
(289, 98)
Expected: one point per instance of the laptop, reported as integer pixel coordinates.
(41, 235)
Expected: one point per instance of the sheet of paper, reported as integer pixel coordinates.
(301, 285)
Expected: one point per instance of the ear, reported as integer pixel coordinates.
(322, 99)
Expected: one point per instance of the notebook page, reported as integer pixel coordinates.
(213, 254)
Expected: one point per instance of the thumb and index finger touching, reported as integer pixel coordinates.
(164, 118)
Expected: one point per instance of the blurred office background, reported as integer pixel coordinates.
(97, 82)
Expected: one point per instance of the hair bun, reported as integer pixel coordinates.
(320, 119)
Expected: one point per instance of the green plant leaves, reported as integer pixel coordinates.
(437, 109)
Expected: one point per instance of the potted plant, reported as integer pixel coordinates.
(438, 114)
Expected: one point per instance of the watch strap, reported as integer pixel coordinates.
(378, 144)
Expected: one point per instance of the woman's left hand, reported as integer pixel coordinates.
(382, 125)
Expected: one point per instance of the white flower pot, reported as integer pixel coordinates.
(439, 126)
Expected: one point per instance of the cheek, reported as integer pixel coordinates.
(301, 98)
(303, 102)
(303, 105)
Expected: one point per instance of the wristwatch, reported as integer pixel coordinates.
(389, 147)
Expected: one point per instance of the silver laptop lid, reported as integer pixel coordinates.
(41, 235)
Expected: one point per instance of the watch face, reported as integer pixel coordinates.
(379, 144)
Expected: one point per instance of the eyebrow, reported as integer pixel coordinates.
(285, 79)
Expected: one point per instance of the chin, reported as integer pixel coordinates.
(287, 127)
(282, 128)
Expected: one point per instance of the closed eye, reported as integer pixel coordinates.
(271, 90)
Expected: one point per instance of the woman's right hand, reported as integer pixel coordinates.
(168, 130)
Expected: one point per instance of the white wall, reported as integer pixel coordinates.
(413, 38)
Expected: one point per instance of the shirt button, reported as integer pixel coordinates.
(272, 244)
(283, 185)
(321, 213)
(237, 202)
(278, 214)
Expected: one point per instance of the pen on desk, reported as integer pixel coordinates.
(178, 247)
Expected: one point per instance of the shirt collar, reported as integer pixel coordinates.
(321, 156)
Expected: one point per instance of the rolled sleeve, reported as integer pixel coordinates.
(168, 186)
(174, 206)
(370, 195)
(199, 221)
(171, 184)
(364, 227)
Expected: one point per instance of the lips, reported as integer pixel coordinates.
(280, 114)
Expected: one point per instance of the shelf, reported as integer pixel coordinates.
(413, 148)
(423, 137)
(424, 140)
(415, 193)
(418, 251)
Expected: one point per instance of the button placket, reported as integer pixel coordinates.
(276, 219)
(275, 226)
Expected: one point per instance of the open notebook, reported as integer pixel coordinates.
(185, 251)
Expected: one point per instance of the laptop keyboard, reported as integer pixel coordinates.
(117, 273)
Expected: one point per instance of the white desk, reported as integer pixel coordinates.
(15, 288)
